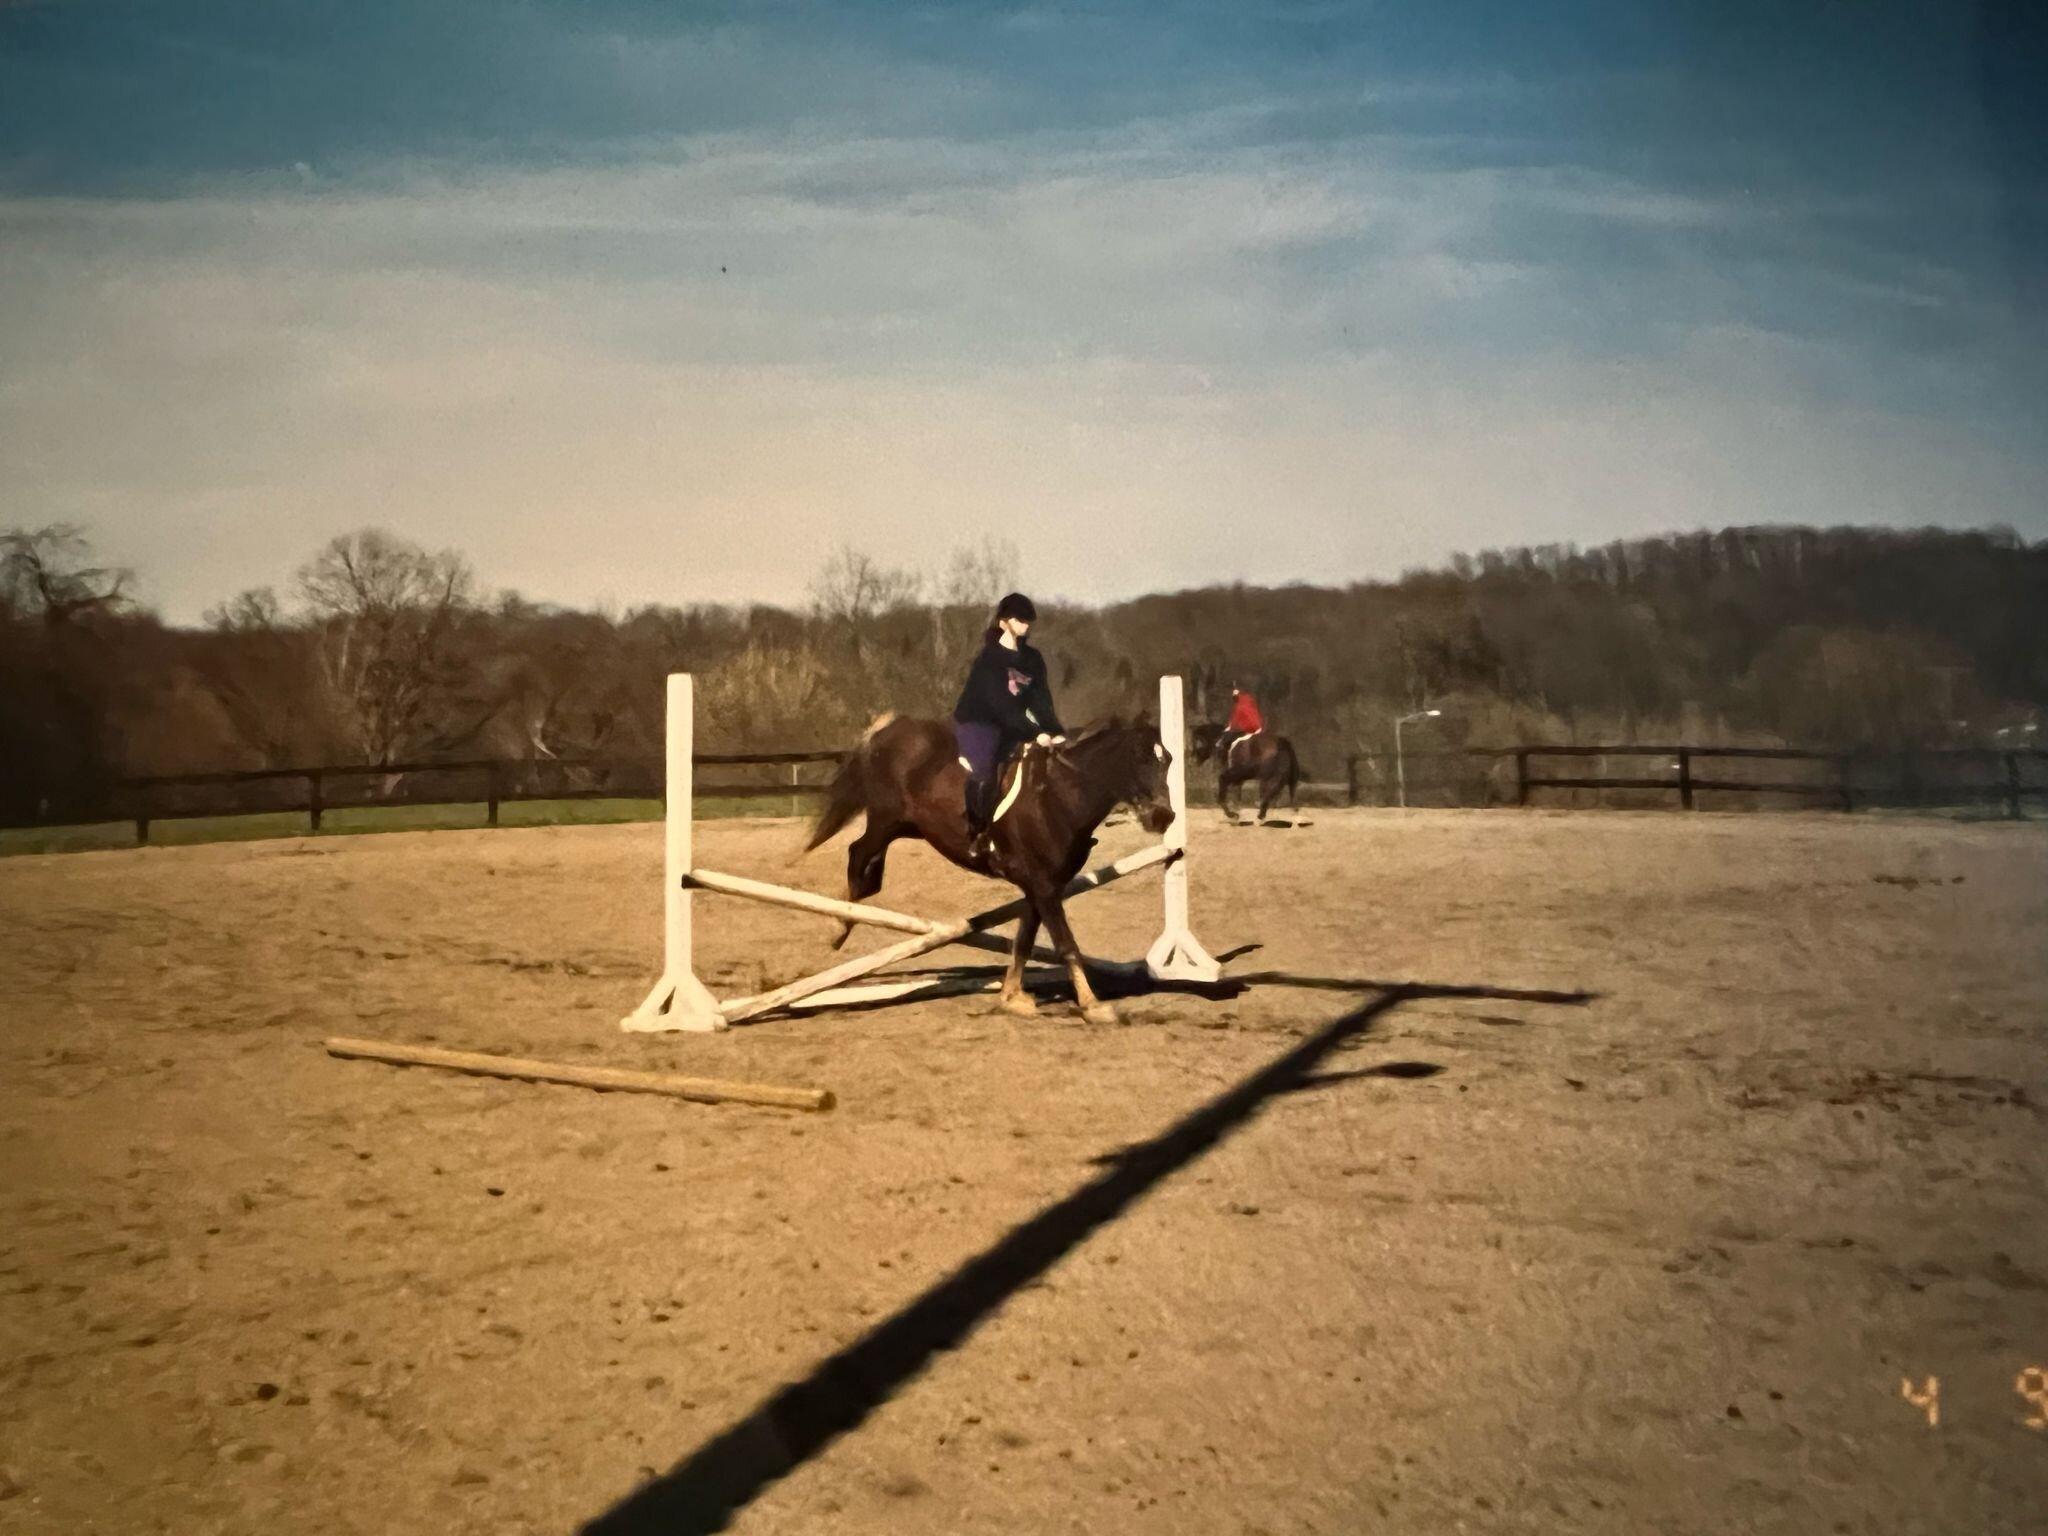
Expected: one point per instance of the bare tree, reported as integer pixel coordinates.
(65, 678)
(963, 595)
(47, 573)
(757, 698)
(254, 610)
(565, 685)
(856, 590)
(978, 574)
(388, 615)
(259, 667)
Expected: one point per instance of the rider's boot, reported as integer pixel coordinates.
(980, 827)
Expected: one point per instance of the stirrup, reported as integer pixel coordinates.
(980, 839)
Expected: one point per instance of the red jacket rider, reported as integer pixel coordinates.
(1244, 720)
(1244, 714)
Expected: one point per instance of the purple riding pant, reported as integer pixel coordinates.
(979, 744)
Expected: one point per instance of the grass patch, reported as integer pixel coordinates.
(184, 831)
(2030, 810)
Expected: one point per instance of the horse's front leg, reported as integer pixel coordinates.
(1014, 999)
(1093, 1009)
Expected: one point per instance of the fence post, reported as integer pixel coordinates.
(2012, 785)
(1351, 779)
(1521, 776)
(313, 806)
(795, 807)
(141, 814)
(491, 793)
(1685, 777)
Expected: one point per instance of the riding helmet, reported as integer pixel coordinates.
(1017, 606)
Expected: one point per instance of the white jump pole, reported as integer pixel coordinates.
(680, 1002)
(1177, 955)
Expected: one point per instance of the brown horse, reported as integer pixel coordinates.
(906, 776)
(1266, 760)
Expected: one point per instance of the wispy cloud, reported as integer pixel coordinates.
(663, 336)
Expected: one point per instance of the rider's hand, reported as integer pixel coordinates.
(1044, 740)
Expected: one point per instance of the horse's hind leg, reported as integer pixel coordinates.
(865, 862)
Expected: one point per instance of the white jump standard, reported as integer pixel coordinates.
(679, 1001)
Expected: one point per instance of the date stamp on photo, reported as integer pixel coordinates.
(2031, 1384)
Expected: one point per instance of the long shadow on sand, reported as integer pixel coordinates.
(703, 1491)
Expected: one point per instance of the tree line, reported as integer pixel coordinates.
(380, 651)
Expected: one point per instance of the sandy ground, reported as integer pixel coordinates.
(1653, 1262)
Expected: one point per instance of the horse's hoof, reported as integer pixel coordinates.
(845, 933)
(1023, 1005)
(1102, 1013)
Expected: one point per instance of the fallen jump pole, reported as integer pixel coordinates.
(703, 1090)
(679, 1001)
(882, 917)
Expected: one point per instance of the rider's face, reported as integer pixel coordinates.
(1018, 628)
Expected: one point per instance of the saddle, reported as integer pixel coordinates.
(1014, 761)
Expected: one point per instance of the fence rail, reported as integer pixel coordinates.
(492, 783)
(1849, 779)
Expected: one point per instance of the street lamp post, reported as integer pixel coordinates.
(1400, 769)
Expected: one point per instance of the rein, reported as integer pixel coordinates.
(1064, 757)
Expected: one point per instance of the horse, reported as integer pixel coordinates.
(906, 776)
(1266, 760)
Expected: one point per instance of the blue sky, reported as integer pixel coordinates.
(637, 302)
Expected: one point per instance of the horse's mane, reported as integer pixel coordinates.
(1103, 727)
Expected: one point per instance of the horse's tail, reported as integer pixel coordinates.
(1296, 770)
(847, 796)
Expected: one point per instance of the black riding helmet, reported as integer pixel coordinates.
(1017, 606)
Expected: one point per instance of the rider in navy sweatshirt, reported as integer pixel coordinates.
(1006, 701)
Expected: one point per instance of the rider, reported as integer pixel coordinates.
(1006, 701)
(1245, 720)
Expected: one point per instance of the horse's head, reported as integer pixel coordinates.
(1131, 762)
(1202, 741)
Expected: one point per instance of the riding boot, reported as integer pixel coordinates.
(980, 828)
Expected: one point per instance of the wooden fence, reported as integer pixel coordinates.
(1475, 776)
(491, 783)
(1845, 780)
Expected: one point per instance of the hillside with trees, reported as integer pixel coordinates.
(378, 651)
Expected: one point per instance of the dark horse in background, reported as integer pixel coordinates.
(907, 777)
(1262, 759)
